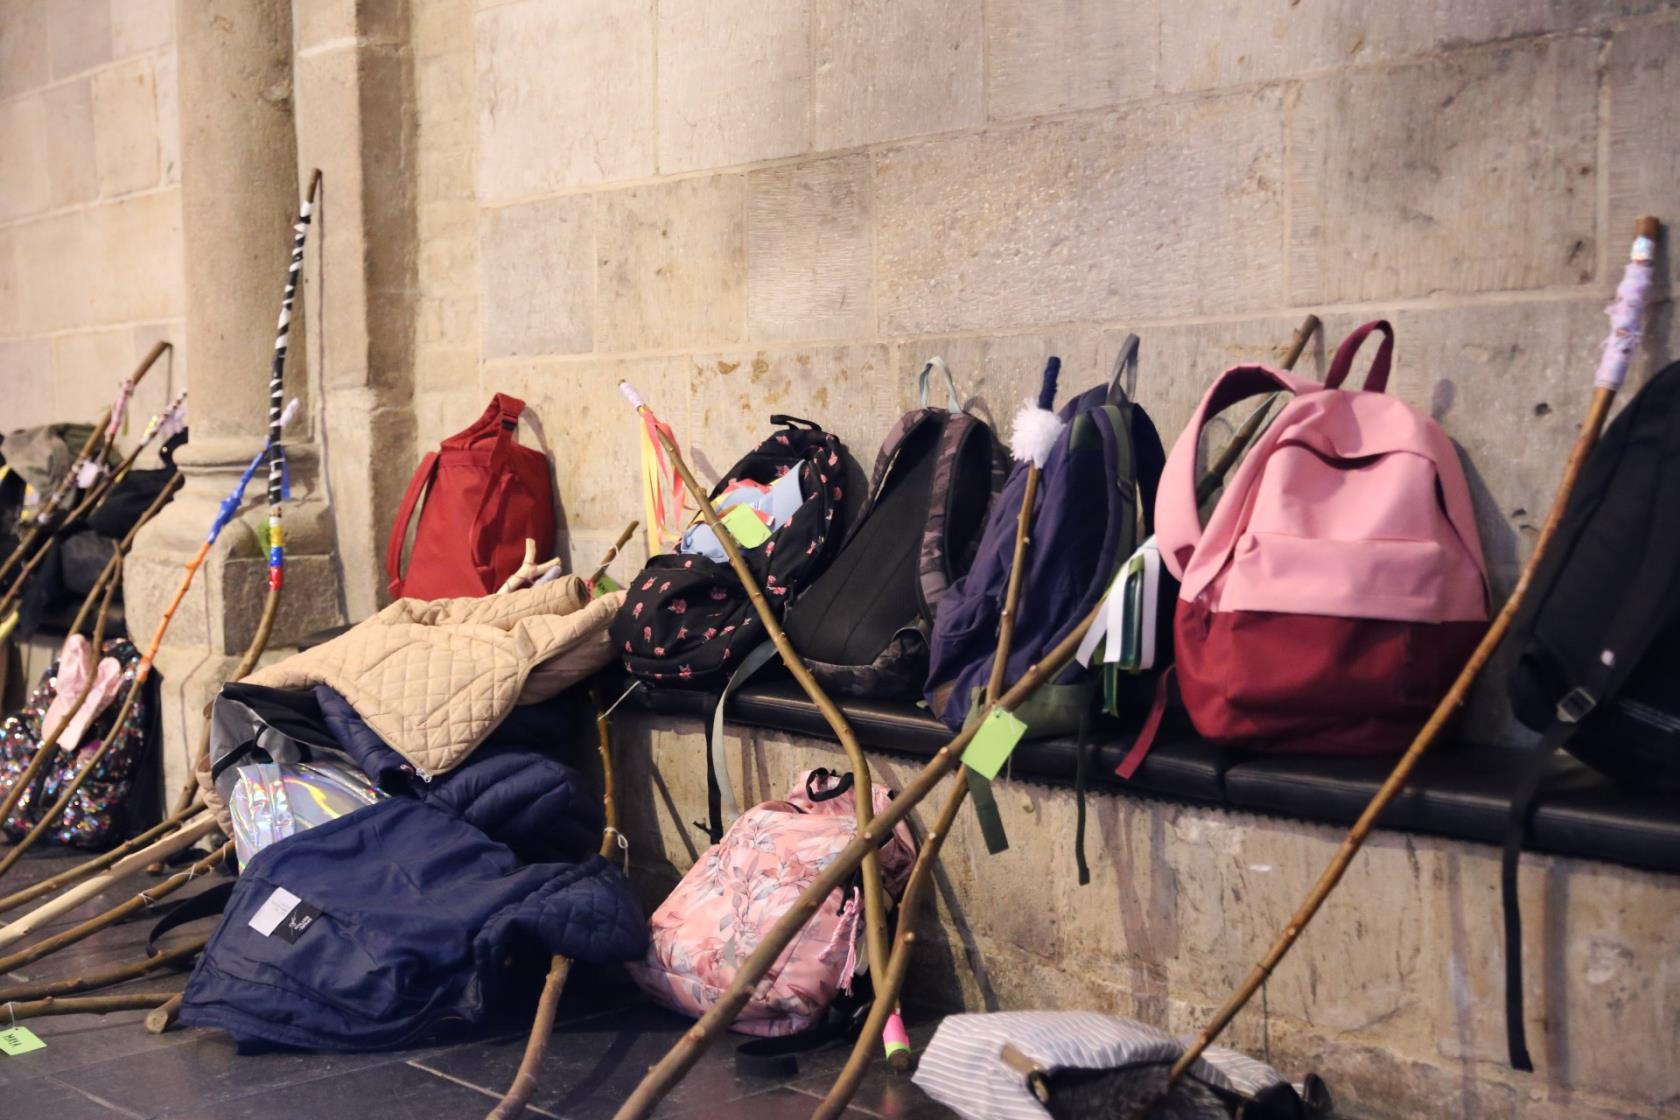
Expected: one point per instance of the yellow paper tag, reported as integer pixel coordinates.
(743, 524)
(19, 1040)
(990, 747)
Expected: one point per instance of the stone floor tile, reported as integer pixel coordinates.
(395, 1091)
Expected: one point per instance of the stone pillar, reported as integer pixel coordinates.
(356, 121)
(239, 183)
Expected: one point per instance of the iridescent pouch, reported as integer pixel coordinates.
(272, 801)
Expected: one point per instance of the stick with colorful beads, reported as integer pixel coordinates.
(279, 486)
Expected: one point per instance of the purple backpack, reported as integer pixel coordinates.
(1094, 501)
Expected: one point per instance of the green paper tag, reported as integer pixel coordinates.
(990, 747)
(606, 585)
(19, 1040)
(743, 524)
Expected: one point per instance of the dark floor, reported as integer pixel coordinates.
(97, 1068)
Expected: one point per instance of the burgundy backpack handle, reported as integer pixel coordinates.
(1375, 381)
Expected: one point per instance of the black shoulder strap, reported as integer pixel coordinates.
(201, 905)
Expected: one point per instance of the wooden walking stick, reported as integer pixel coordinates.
(163, 1016)
(92, 452)
(612, 554)
(279, 487)
(104, 587)
(1625, 317)
(105, 977)
(874, 896)
(1256, 420)
(141, 675)
(670, 1069)
(513, 1102)
(168, 421)
(95, 865)
(1031, 442)
(83, 1005)
(136, 862)
(80, 932)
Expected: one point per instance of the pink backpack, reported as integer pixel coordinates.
(1338, 586)
(737, 890)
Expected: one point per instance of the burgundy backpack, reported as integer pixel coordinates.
(484, 496)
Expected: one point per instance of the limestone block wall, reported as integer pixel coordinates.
(788, 206)
(90, 207)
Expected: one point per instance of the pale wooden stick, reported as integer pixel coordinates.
(1425, 739)
(253, 652)
(694, 1042)
(163, 1016)
(82, 1005)
(525, 1079)
(93, 866)
(612, 553)
(118, 974)
(863, 788)
(131, 864)
(111, 917)
(845, 1086)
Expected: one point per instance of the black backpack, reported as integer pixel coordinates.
(863, 626)
(1600, 634)
(686, 620)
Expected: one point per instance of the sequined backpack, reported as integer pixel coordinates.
(97, 813)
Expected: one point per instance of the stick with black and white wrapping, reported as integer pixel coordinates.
(277, 391)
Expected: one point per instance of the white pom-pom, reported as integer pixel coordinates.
(1034, 434)
(631, 395)
(89, 474)
(289, 413)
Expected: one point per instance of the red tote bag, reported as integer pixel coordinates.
(484, 495)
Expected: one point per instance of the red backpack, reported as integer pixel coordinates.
(485, 495)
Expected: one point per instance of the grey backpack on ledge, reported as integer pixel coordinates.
(863, 626)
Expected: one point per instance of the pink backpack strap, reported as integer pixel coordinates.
(1377, 379)
(1178, 524)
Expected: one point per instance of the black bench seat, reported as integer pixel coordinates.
(1458, 790)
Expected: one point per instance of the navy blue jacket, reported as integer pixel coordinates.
(510, 787)
(432, 904)
(423, 922)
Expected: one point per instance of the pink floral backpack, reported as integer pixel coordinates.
(743, 884)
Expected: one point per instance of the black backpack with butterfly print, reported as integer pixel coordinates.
(686, 619)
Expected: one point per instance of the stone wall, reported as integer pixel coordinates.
(90, 207)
